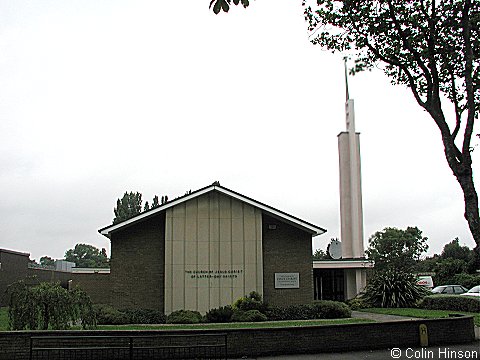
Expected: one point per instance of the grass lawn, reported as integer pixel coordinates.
(421, 313)
(3, 318)
(266, 324)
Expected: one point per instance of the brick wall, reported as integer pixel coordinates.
(46, 275)
(97, 286)
(137, 265)
(13, 267)
(286, 249)
(273, 341)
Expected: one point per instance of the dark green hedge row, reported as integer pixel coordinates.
(451, 302)
(108, 315)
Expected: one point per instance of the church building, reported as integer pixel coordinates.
(207, 249)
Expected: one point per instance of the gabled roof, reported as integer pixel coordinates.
(299, 223)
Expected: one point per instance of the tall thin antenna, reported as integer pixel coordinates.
(346, 79)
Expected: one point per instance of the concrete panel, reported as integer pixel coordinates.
(225, 230)
(190, 299)
(178, 233)
(225, 253)
(239, 292)
(203, 300)
(226, 296)
(214, 255)
(214, 297)
(179, 210)
(178, 298)
(214, 206)
(191, 227)
(237, 209)
(203, 258)
(214, 230)
(178, 252)
(237, 230)
(190, 253)
(178, 275)
(250, 252)
(237, 253)
(225, 207)
(168, 252)
(250, 278)
(203, 205)
(203, 230)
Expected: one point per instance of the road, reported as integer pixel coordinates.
(463, 351)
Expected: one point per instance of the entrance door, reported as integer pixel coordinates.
(328, 284)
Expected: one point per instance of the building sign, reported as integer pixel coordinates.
(287, 280)
(213, 274)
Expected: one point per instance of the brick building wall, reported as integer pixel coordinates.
(37, 275)
(286, 249)
(97, 286)
(13, 267)
(138, 264)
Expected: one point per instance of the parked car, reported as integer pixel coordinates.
(474, 291)
(426, 281)
(449, 290)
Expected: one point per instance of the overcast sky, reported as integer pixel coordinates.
(160, 97)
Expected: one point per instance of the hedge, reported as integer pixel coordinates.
(451, 302)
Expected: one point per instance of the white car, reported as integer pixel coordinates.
(475, 291)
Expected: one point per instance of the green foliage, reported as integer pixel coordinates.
(467, 280)
(394, 248)
(145, 316)
(48, 306)
(127, 207)
(47, 261)
(393, 288)
(108, 315)
(225, 4)
(184, 317)
(321, 309)
(248, 316)
(357, 303)
(87, 256)
(451, 302)
(251, 302)
(223, 314)
(320, 255)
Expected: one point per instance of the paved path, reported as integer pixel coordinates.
(379, 317)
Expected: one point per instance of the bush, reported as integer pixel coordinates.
(108, 315)
(222, 314)
(393, 289)
(467, 280)
(48, 306)
(357, 303)
(451, 302)
(275, 313)
(145, 316)
(326, 309)
(251, 302)
(298, 312)
(184, 317)
(248, 316)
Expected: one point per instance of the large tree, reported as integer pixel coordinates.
(396, 249)
(87, 256)
(432, 47)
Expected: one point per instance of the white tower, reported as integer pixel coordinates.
(351, 213)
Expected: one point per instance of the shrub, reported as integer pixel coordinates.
(298, 312)
(357, 303)
(467, 280)
(48, 306)
(108, 315)
(393, 289)
(275, 313)
(326, 309)
(251, 302)
(184, 317)
(248, 316)
(145, 316)
(222, 314)
(451, 302)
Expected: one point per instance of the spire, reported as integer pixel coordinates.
(345, 58)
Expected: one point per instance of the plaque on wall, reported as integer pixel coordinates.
(287, 280)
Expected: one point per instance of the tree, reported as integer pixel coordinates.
(225, 4)
(127, 207)
(87, 256)
(47, 261)
(394, 248)
(48, 306)
(432, 47)
(320, 255)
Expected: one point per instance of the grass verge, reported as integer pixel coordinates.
(256, 325)
(421, 313)
(3, 318)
